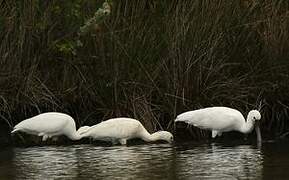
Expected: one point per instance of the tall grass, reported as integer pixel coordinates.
(150, 60)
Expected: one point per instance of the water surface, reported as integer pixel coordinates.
(147, 161)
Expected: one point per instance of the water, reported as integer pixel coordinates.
(147, 161)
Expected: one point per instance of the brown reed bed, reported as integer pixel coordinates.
(147, 59)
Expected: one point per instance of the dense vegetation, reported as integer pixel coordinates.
(146, 59)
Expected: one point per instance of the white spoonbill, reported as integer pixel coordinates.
(119, 130)
(83, 129)
(49, 125)
(222, 119)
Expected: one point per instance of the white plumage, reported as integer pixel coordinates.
(119, 130)
(49, 125)
(83, 129)
(222, 119)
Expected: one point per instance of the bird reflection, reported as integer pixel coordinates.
(149, 161)
(132, 162)
(88, 161)
(45, 162)
(218, 162)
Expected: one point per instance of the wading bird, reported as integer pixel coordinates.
(48, 125)
(83, 129)
(119, 130)
(222, 119)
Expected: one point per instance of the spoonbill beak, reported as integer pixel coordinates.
(258, 132)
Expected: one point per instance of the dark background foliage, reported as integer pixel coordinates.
(149, 60)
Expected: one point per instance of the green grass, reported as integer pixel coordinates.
(150, 60)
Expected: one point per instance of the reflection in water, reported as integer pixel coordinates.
(150, 161)
(45, 162)
(217, 162)
(77, 162)
(121, 162)
(6, 165)
(276, 160)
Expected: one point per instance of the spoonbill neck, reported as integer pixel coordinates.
(247, 126)
(146, 136)
(75, 136)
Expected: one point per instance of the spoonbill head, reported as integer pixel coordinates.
(164, 136)
(255, 115)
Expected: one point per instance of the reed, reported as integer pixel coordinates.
(147, 59)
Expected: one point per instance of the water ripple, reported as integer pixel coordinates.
(150, 161)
